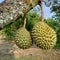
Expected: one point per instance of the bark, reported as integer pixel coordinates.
(10, 10)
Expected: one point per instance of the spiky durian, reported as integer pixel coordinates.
(22, 38)
(43, 35)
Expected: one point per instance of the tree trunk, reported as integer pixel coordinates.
(10, 10)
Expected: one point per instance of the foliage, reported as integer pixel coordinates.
(11, 29)
(32, 18)
(51, 2)
(56, 8)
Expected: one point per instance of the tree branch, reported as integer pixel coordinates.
(10, 10)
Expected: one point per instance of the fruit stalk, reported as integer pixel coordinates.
(24, 20)
(42, 12)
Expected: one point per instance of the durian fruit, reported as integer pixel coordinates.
(22, 38)
(43, 35)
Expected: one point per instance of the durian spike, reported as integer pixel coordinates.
(24, 20)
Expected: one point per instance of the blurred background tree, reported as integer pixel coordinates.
(55, 7)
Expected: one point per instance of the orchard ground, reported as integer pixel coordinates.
(9, 51)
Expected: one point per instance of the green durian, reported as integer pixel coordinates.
(43, 35)
(22, 38)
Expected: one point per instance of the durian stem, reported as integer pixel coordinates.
(42, 12)
(24, 20)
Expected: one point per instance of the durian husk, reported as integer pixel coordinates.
(43, 35)
(23, 38)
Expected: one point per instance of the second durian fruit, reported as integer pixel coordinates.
(23, 39)
(43, 35)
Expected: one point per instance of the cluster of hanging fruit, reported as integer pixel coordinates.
(42, 35)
